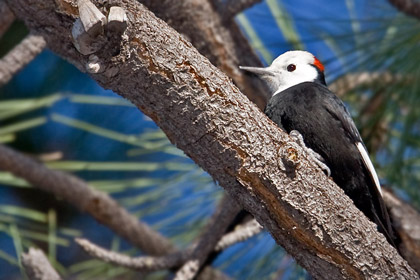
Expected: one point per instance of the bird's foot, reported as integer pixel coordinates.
(314, 156)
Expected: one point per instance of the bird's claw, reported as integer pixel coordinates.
(314, 156)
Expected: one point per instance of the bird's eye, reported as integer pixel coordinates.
(291, 67)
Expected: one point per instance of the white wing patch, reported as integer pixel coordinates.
(369, 165)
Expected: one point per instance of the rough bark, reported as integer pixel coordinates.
(37, 266)
(219, 39)
(205, 115)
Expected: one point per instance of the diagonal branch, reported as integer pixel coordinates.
(205, 115)
(75, 191)
(20, 56)
(215, 229)
(37, 266)
(408, 7)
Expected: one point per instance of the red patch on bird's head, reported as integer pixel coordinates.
(318, 64)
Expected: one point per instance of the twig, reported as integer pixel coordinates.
(138, 263)
(20, 56)
(241, 233)
(6, 18)
(75, 191)
(233, 7)
(37, 266)
(226, 212)
(408, 7)
(169, 261)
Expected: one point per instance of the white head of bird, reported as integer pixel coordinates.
(289, 69)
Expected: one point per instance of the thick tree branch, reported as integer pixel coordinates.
(219, 40)
(37, 266)
(408, 7)
(20, 56)
(6, 17)
(206, 116)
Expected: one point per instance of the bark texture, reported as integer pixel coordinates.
(205, 115)
(216, 36)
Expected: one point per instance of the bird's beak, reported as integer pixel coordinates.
(259, 71)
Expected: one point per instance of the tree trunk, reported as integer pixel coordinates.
(207, 117)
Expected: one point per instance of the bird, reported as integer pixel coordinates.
(302, 105)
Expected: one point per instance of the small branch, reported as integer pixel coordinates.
(20, 56)
(137, 263)
(233, 7)
(408, 7)
(37, 266)
(222, 218)
(75, 191)
(6, 18)
(241, 233)
(169, 261)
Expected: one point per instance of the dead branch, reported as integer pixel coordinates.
(20, 56)
(205, 115)
(37, 266)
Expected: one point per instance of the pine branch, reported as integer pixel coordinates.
(98, 204)
(37, 266)
(20, 56)
(205, 115)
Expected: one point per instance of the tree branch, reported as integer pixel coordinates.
(215, 229)
(37, 266)
(138, 263)
(406, 221)
(408, 7)
(6, 18)
(233, 7)
(98, 204)
(241, 233)
(221, 42)
(205, 115)
(20, 56)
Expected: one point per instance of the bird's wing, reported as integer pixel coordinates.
(339, 111)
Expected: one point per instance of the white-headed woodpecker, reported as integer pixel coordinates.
(302, 102)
